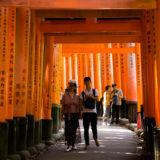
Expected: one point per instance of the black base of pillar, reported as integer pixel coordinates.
(40, 129)
(3, 140)
(21, 133)
(60, 111)
(11, 136)
(47, 129)
(156, 135)
(142, 115)
(123, 109)
(38, 132)
(148, 127)
(132, 111)
(55, 117)
(30, 130)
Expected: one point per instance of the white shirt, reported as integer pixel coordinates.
(86, 110)
(61, 96)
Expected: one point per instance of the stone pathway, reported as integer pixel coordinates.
(116, 143)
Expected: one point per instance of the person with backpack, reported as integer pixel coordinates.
(71, 112)
(116, 96)
(89, 98)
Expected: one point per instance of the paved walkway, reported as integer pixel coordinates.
(116, 143)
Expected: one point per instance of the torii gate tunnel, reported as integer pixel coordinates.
(44, 44)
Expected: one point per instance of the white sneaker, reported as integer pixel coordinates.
(68, 149)
(108, 124)
(74, 147)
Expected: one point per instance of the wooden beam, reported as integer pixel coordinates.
(89, 13)
(98, 50)
(83, 4)
(110, 26)
(97, 39)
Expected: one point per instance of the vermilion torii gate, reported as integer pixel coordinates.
(31, 45)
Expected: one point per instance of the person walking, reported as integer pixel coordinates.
(89, 98)
(71, 110)
(107, 105)
(116, 96)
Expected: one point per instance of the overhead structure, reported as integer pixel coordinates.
(44, 44)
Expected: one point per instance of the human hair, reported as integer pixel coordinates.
(87, 79)
(107, 87)
(73, 84)
(114, 85)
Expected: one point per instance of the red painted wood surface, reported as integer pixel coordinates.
(21, 61)
(83, 4)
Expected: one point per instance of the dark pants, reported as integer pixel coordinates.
(87, 119)
(70, 128)
(115, 113)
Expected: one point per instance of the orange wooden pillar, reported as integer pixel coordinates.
(109, 68)
(132, 84)
(30, 83)
(10, 80)
(21, 64)
(84, 67)
(59, 71)
(56, 77)
(97, 76)
(131, 87)
(80, 73)
(139, 83)
(74, 67)
(91, 69)
(139, 76)
(31, 64)
(103, 72)
(123, 62)
(49, 51)
(63, 73)
(157, 81)
(148, 67)
(11, 62)
(116, 66)
(144, 76)
(37, 69)
(3, 61)
(150, 80)
(41, 77)
(38, 83)
(88, 65)
(4, 15)
(47, 91)
(21, 74)
(85, 64)
(156, 34)
(68, 69)
(56, 86)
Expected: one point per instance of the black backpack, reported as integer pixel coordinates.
(89, 103)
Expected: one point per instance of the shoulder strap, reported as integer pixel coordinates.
(94, 92)
(83, 95)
